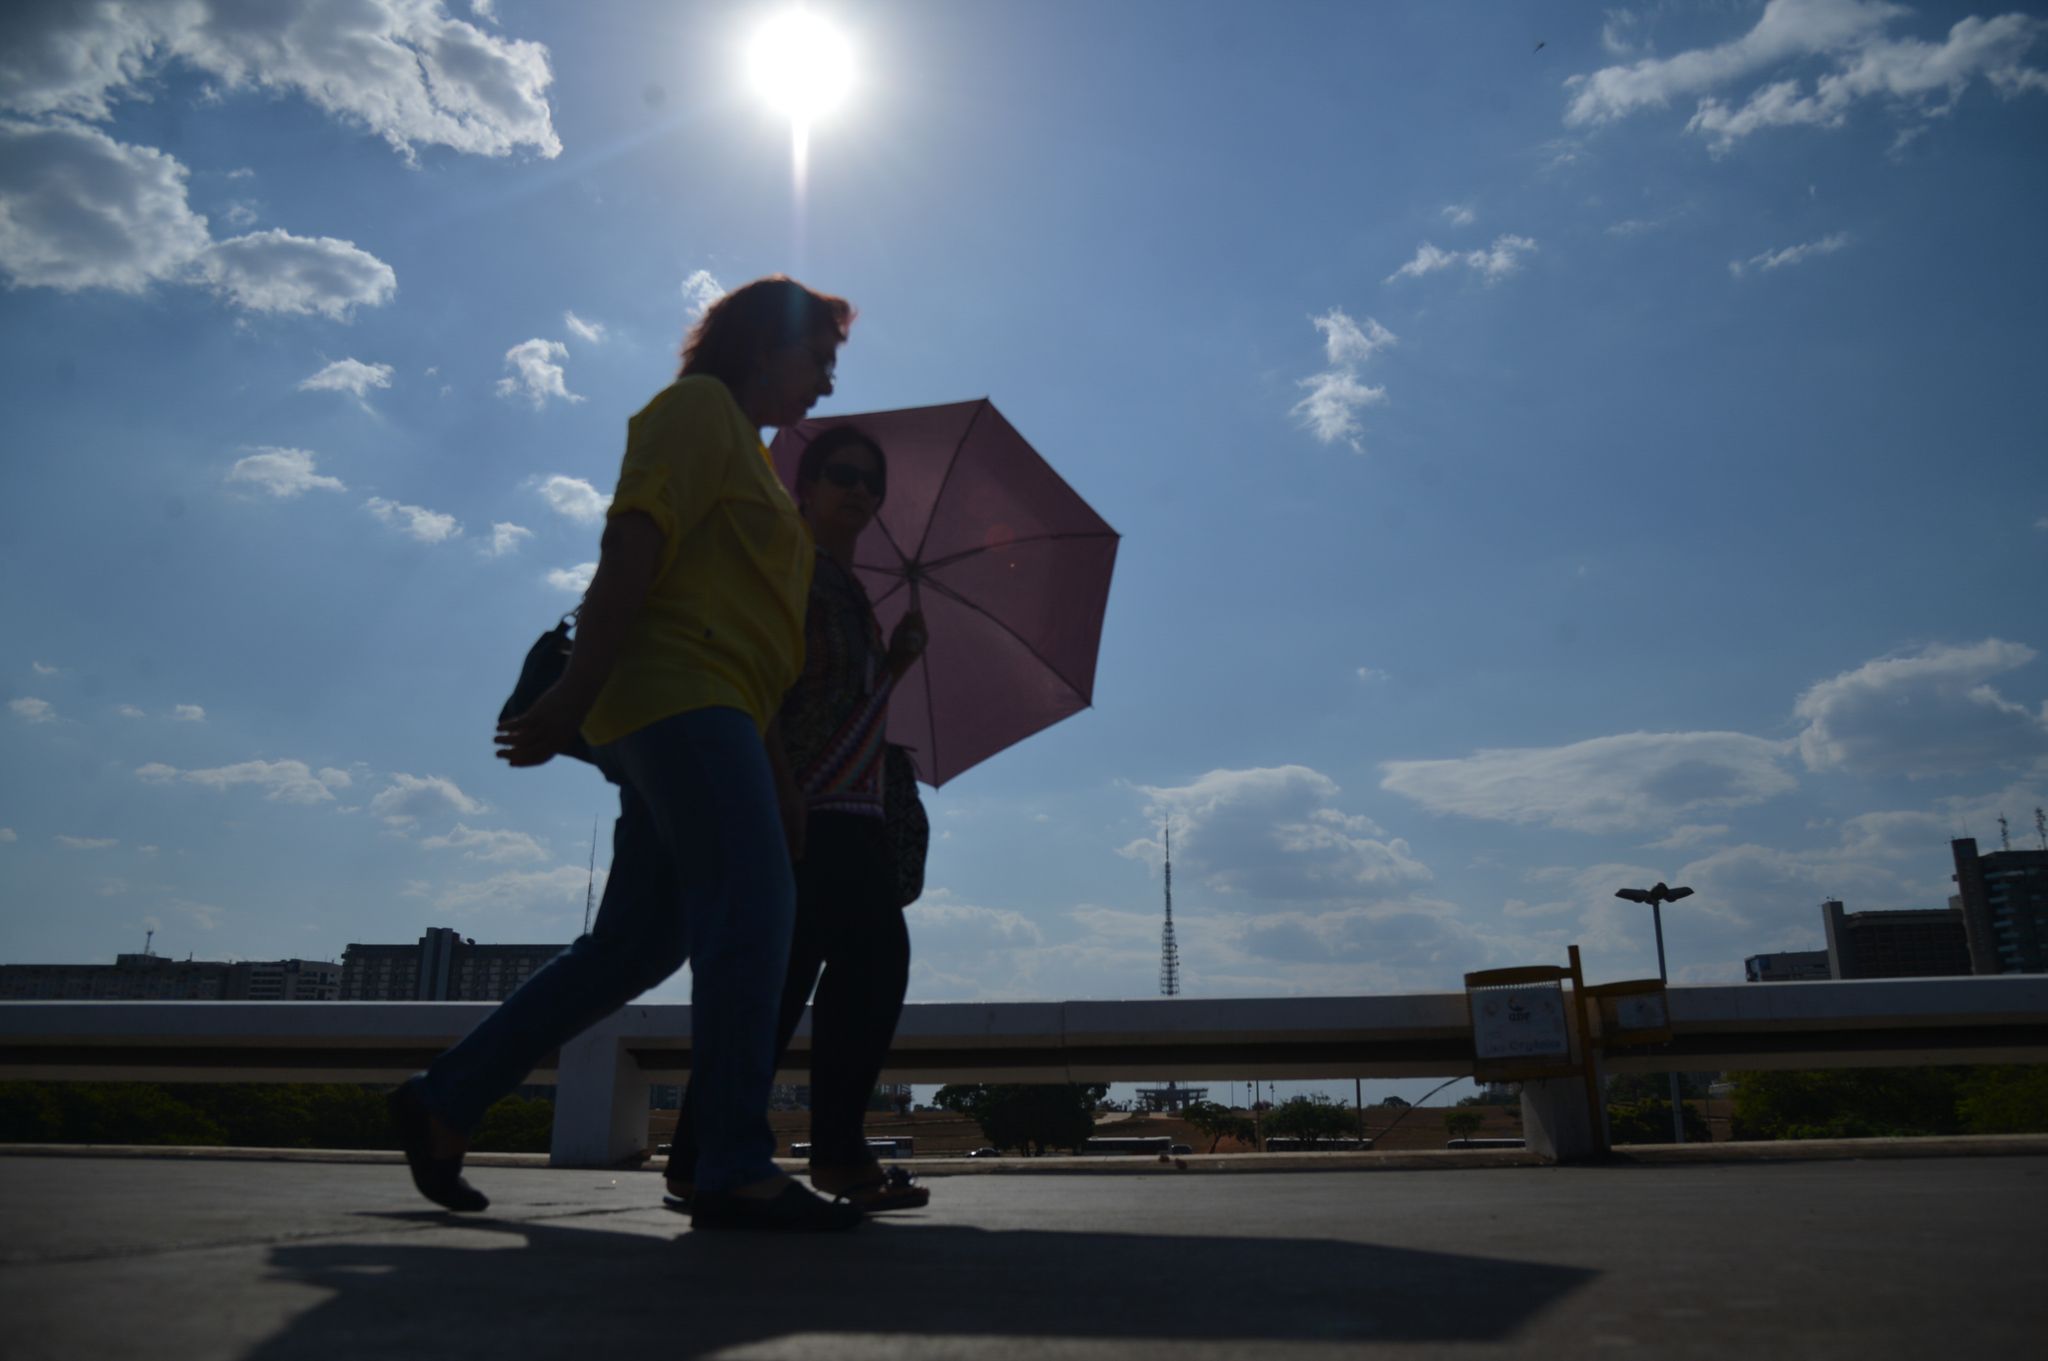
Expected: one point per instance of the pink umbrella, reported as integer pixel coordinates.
(1010, 566)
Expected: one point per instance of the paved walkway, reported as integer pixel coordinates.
(113, 1258)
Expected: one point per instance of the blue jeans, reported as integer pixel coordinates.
(700, 872)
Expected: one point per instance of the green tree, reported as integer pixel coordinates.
(1848, 1103)
(1030, 1118)
(1218, 1122)
(1648, 1121)
(1462, 1123)
(1392, 1103)
(2005, 1099)
(515, 1125)
(1311, 1119)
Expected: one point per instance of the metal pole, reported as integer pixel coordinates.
(1677, 1110)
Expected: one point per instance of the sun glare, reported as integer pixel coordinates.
(801, 65)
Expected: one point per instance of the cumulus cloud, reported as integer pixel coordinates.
(129, 711)
(32, 710)
(1930, 712)
(278, 272)
(405, 70)
(486, 844)
(1690, 834)
(574, 579)
(188, 713)
(591, 332)
(1605, 784)
(86, 843)
(81, 210)
(280, 781)
(1460, 214)
(700, 290)
(506, 538)
(536, 372)
(1492, 263)
(284, 473)
(352, 376)
(415, 522)
(575, 498)
(1277, 833)
(45, 669)
(1338, 394)
(1911, 77)
(1791, 255)
(550, 895)
(402, 801)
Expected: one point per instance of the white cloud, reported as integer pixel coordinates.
(1689, 835)
(1370, 674)
(1494, 262)
(32, 710)
(1337, 395)
(7, 836)
(335, 779)
(554, 895)
(1619, 33)
(352, 376)
(487, 844)
(415, 522)
(1460, 214)
(86, 843)
(1912, 78)
(129, 711)
(591, 332)
(506, 538)
(1791, 255)
(1931, 712)
(1277, 832)
(280, 781)
(403, 69)
(401, 802)
(575, 579)
(275, 271)
(536, 375)
(80, 210)
(1605, 784)
(45, 669)
(700, 290)
(575, 498)
(284, 473)
(188, 713)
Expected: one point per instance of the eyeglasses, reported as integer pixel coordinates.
(847, 476)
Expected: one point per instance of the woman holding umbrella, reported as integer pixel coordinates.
(850, 941)
(691, 631)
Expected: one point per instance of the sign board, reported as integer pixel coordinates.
(1520, 1022)
(1644, 1011)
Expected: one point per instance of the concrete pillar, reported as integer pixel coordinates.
(1556, 1123)
(600, 1102)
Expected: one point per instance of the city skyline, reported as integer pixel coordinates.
(1539, 471)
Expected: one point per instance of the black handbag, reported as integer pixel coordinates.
(904, 824)
(545, 662)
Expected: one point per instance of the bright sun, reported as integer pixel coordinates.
(802, 65)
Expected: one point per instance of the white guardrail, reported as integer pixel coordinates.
(603, 1076)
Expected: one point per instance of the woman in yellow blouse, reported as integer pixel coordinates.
(691, 631)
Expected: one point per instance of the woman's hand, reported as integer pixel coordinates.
(907, 643)
(544, 731)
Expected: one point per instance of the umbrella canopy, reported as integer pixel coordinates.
(1010, 566)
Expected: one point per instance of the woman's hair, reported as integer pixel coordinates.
(743, 326)
(837, 440)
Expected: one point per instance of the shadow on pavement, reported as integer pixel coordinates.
(552, 1287)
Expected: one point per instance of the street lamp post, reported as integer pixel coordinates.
(1656, 897)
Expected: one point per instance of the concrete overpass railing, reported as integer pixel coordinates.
(603, 1076)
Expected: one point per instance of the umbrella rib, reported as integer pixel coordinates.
(1058, 537)
(1022, 641)
(946, 481)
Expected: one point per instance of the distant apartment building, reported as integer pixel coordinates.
(153, 978)
(443, 966)
(2002, 899)
(1917, 943)
(1787, 966)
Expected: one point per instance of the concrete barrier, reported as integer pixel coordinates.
(602, 1076)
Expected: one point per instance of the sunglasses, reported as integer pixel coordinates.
(847, 476)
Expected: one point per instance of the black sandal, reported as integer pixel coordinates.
(791, 1210)
(438, 1179)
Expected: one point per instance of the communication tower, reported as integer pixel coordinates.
(1169, 952)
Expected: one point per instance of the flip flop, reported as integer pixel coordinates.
(792, 1210)
(895, 1189)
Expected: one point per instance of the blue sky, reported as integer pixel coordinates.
(1540, 470)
